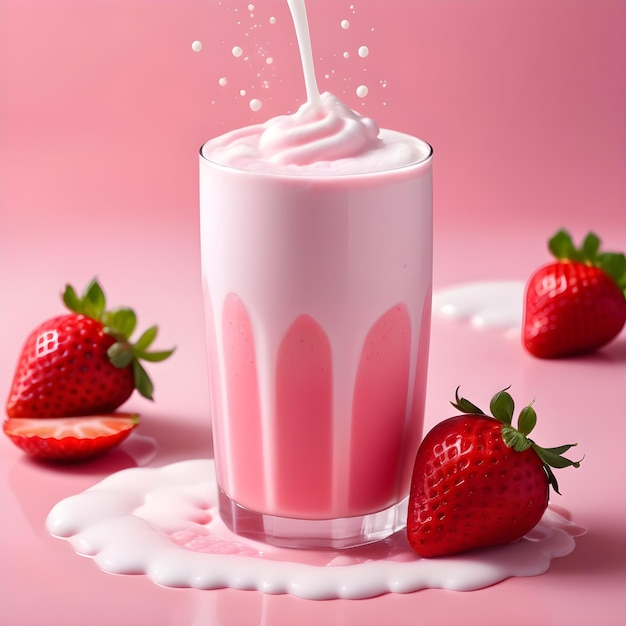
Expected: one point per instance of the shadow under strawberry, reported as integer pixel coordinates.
(178, 437)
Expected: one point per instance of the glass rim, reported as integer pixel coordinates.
(325, 175)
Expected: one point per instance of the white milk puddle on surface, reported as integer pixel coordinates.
(164, 523)
(488, 304)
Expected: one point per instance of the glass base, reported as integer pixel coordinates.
(286, 532)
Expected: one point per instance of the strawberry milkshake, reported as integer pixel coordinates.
(316, 233)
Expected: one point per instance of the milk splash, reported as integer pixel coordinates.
(298, 14)
(264, 78)
(323, 129)
(164, 523)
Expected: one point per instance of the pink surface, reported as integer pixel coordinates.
(103, 108)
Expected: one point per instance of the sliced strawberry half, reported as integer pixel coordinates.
(69, 438)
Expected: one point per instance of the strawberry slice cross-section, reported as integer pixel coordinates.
(70, 438)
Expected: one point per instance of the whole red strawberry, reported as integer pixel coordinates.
(82, 363)
(577, 303)
(478, 481)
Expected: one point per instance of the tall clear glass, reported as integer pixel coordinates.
(317, 294)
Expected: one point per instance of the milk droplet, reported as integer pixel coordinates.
(250, 7)
(363, 51)
(242, 92)
(272, 20)
(237, 51)
(345, 24)
(255, 104)
(361, 91)
(196, 46)
(223, 81)
(269, 60)
(346, 55)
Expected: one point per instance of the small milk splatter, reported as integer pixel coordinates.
(272, 20)
(250, 7)
(237, 51)
(196, 46)
(346, 55)
(223, 81)
(345, 24)
(255, 104)
(361, 91)
(269, 60)
(242, 92)
(363, 51)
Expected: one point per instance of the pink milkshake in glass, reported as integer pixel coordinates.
(316, 233)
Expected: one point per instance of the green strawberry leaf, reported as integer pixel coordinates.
(614, 264)
(154, 357)
(590, 247)
(562, 246)
(94, 301)
(146, 339)
(552, 456)
(71, 299)
(121, 354)
(551, 478)
(465, 406)
(514, 439)
(120, 323)
(502, 406)
(527, 420)
(143, 384)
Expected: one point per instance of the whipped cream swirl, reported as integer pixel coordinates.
(320, 131)
(326, 130)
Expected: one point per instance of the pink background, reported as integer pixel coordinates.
(103, 106)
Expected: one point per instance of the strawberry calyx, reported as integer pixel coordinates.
(120, 324)
(502, 407)
(613, 264)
